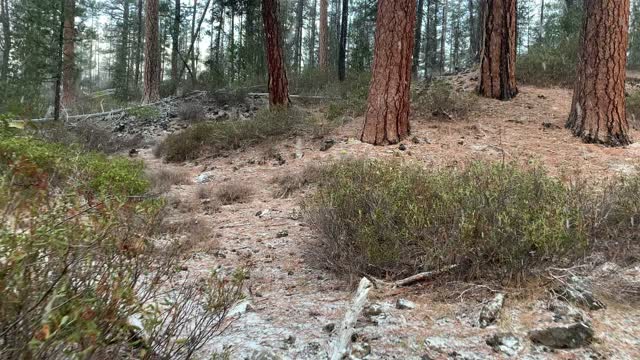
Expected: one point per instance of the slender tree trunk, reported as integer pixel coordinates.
(69, 56)
(541, 26)
(312, 36)
(6, 37)
(598, 113)
(443, 38)
(498, 66)
(60, 60)
(297, 56)
(278, 83)
(344, 28)
(193, 40)
(175, 48)
(232, 45)
(427, 43)
(219, 34)
(387, 116)
(138, 53)
(121, 80)
(473, 31)
(151, 53)
(324, 35)
(418, 39)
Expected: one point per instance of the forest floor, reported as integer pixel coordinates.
(291, 303)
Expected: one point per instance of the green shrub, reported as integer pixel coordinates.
(440, 99)
(389, 219)
(214, 138)
(144, 112)
(80, 273)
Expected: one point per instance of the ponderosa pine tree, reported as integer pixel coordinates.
(323, 56)
(344, 28)
(175, 45)
(498, 60)
(418, 39)
(151, 53)
(387, 116)
(6, 41)
(598, 113)
(278, 83)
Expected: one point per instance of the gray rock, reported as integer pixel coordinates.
(264, 355)
(360, 351)
(282, 234)
(563, 337)
(312, 351)
(203, 178)
(404, 304)
(290, 340)
(565, 312)
(327, 144)
(490, 312)
(329, 328)
(372, 310)
(506, 343)
(578, 291)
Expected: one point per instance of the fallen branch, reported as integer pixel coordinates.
(421, 277)
(295, 96)
(345, 331)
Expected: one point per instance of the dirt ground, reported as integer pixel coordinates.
(290, 302)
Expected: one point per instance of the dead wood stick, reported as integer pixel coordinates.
(345, 331)
(411, 280)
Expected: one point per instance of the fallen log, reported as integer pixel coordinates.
(342, 344)
(411, 280)
(313, 97)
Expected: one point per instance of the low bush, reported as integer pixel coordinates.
(89, 136)
(633, 109)
(163, 179)
(441, 100)
(490, 220)
(288, 184)
(80, 273)
(215, 138)
(233, 193)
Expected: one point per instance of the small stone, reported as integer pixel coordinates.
(264, 355)
(290, 340)
(360, 351)
(506, 343)
(203, 178)
(373, 310)
(329, 328)
(415, 140)
(402, 147)
(565, 312)
(282, 234)
(490, 312)
(133, 153)
(460, 142)
(404, 304)
(564, 336)
(578, 291)
(327, 144)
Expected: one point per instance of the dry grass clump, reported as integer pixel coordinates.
(289, 183)
(163, 179)
(233, 193)
(440, 99)
(191, 112)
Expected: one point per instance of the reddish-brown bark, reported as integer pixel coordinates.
(278, 83)
(68, 54)
(598, 113)
(387, 116)
(151, 53)
(498, 59)
(323, 56)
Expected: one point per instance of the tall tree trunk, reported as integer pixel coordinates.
(324, 35)
(418, 39)
(427, 43)
(121, 79)
(6, 38)
(473, 31)
(297, 56)
(60, 60)
(151, 53)
(387, 116)
(541, 25)
(175, 48)
(193, 40)
(443, 38)
(598, 113)
(219, 34)
(498, 65)
(69, 56)
(344, 28)
(312, 35)
(278, 83)
(138, 54)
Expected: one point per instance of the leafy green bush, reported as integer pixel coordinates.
(214, 138)
(80, 273)
(440, 99)
(144, 112)
(389, 219)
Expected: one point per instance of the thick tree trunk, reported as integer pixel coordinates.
(68, 54)
(344, 28)
(387, 116)
(6, 40)
(324, 35)
(498, 63)
(151, 53)
(175, 48)
(418, 39)
(598, 113)
(278, 83)
(443, 37)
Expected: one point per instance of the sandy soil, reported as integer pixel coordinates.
(289, 302)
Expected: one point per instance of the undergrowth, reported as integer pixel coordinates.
(489, 220)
